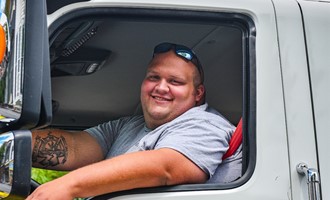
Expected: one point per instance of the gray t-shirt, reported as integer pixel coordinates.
(201, 134)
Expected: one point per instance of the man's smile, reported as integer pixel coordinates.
(159, 98)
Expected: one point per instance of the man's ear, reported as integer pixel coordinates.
(200, 95)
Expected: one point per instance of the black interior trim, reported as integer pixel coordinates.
(241, 21)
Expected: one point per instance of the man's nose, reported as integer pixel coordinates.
(162, 86)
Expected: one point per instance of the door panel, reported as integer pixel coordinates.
(317, 25)
(298, 104)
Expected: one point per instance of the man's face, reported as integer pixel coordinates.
(168, 89)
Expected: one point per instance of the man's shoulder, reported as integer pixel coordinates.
(126, 121)
(205, 113)
(134, 119)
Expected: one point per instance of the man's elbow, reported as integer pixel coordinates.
(184, 177)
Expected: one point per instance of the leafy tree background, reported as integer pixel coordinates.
(44, 175)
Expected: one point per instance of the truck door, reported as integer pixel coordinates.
(297, 94)
(317, 27)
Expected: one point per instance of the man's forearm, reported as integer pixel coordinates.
(121, 173)
(134, 170)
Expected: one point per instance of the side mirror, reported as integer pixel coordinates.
(15, 164)
(25, 100)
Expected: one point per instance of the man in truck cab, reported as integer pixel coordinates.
(178, 140)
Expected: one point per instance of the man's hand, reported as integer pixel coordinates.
(53, 190)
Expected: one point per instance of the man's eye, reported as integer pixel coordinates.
(152, 78)
(176, 82)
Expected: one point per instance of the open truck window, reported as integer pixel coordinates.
(81, 63)
(99, 57)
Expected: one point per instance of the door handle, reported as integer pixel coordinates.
(313, 180)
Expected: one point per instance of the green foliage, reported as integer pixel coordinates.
(44, 175)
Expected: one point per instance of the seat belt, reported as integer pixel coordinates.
(235, 141)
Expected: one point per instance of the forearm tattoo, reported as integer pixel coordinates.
(50, 150)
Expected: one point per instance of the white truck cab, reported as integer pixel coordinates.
(266, 61)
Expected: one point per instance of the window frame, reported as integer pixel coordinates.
(246, 24)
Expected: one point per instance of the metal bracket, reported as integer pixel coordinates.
(313, 180)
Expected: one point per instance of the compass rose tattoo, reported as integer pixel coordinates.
(50, 150)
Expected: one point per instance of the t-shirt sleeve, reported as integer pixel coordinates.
(106, 133)
(200, 141)
(102, 134)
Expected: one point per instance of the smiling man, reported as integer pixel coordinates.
(179, 139)
(171, 87)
